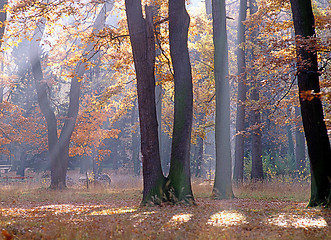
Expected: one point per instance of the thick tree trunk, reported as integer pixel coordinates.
(179, 174)
(241, 99)
(255, 115)
(300, 152)
(143, 48)
(223, 174)
(312, 111)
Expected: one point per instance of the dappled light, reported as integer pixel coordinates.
(99, 213)
(176, 119)
(297, 221)
(179, 218)
(226, 219)
(112, 211)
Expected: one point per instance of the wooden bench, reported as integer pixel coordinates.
(5, 168)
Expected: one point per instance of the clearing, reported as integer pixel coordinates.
(261, 211)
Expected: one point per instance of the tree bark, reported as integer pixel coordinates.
(241, 98)
(255, 115)
(223, 174)
(179, 174)
(143, 48)
(312, 111)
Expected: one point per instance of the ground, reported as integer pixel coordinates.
(261, 211)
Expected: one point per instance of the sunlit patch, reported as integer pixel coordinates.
(179, 218)
(297, 221)
(112, 211)
(226, 219)
(140, 217)
(43, 210)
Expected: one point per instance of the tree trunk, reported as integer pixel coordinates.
(58, 147)
(223, 179)
(3, 16)
(312, 111)
(241, 99)
(255, 115)
(300, 152)
(208, 7)
(23, 156)
(199, 157)
(143, 48)
(165, 151)
(179, 174)
(135, 142)
(290, 146)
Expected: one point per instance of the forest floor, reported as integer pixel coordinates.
(273, 210)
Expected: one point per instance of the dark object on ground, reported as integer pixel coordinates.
(103, 177)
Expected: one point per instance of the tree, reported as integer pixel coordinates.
(300, 153)
(58, 147)
(177, 186)
(238, 174)
(3, 16)
(179, 174)
(311, 107)
(255, 115)
(223, 184)
(143, 49)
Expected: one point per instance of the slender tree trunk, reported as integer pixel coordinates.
(135, 142)
(255, 115)
(312, 111)
(23, 156)
(199, 157)
(165, 152)
(3, 17)
(223, 174)
(241, 99)
(290, 146)
(143, 48)
(300, 152)
(58, 147)
(208, 7)
(179, 174)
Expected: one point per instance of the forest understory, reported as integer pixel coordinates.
(270, 210)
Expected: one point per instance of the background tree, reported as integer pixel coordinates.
(238, 174)
(223, 173)
(59, 146)
(255, 115)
